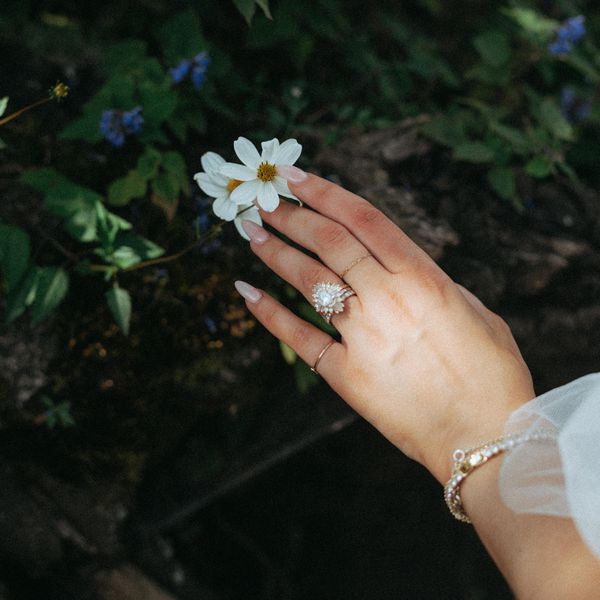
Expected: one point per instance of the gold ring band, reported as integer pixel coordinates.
(314, 367)
(353, 264)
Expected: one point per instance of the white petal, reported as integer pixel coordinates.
(248, 215)
(246, 192)
(247, 152)
(208, 186)
(239, 172)
(269, 151)
(224, 208)
(211, 161)
(281, 185)
(267, 197)
(289, 152)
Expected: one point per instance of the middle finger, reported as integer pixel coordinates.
(332, 242)
(298, 269)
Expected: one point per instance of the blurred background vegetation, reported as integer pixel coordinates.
(112, 265)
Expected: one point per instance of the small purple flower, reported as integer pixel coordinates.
(181, 71)
(115, 124)
(133, 120)
(572, 29)
(111, 128)
(567, 35)
(195, 68)
(572, 107)
(211, 325)
(198, 76)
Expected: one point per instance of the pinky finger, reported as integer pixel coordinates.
(305, 339)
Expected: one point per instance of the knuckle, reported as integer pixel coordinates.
(332, 234)
(368, 216)
(299, 336)
(312, 275)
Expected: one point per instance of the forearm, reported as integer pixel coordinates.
(540, 557)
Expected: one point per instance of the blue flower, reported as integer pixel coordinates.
(568, 34)
(572, 107)
(195, 68)
(572, 29)
(115, 124)
(180, 72)
(133, 120)
(111, 128)
(560, 47)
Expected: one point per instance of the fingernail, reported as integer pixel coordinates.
(248, 291)
(292, 174)
(255, 232)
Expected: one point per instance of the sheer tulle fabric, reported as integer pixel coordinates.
(559, 478)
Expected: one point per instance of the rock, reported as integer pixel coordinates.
(127, 583)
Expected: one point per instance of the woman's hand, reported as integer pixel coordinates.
(420, 357)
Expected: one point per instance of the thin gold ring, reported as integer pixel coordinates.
(314, 367)
(353, 264)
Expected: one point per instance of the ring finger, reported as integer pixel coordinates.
(298, 269)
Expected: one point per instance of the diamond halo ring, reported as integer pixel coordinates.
(328, 298)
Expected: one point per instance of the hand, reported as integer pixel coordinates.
(420, 357)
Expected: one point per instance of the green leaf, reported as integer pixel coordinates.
(539, 167)
(446, 130)
(148, 163)
(512, 135)
(119, 303)
(159, 103)
(71, 201)
(166, 185)
(123, 56)
(493, 47)
(143, 247)
(181, 37)
(3, 105)
(551, 117)
(264, 5)
(474, 152)
(53, 283)
(247, 8)
(14, 255)
(22, 296)
(532, 21)
(288, 354)
(502, 181)
(124, 257)
(125, 189)
(174, 163)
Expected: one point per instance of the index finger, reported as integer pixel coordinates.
(383, 238)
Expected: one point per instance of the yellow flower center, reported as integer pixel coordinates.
(59, 91)
(266, 171)
(233, 183)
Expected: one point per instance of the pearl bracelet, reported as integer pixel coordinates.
(465, 461)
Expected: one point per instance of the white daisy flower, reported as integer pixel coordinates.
(220, 187)
(261, 181)
(213, 184)
(248, 212)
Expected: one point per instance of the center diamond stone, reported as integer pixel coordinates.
(325, 297)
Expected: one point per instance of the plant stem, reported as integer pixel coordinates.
(17, 114)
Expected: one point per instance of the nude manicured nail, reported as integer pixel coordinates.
(247, 291)
(255, 232)
(292, 174)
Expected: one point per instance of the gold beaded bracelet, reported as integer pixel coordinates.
(465, 461)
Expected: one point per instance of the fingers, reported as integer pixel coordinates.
(387, 242)
(305, 339)
(330, 240)
(298, 269)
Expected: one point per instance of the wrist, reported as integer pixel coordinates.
(468, 431)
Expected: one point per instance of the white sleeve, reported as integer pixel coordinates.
(560, 478)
